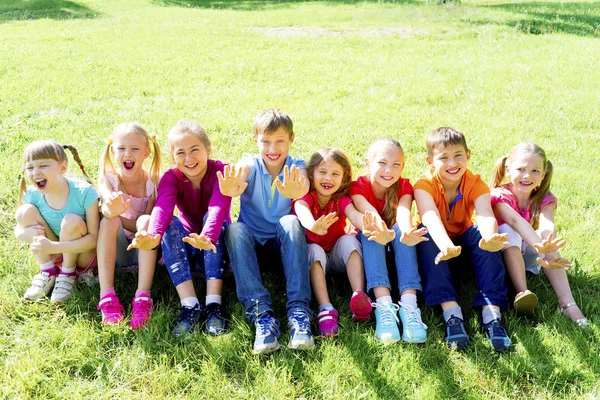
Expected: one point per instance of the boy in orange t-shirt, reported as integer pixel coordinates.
(446, 198)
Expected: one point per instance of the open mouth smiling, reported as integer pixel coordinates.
(41, 183)
(128, 164)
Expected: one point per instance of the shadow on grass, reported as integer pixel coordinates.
(257, 5)
(540, 18)
(19, 10)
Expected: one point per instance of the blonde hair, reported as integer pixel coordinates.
(270, 120)
(188, 126)
(391, 195)
(48, 149)
(538, 194)
(338, 157)
(106, 166)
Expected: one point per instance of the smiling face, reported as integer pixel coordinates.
(130, 150)
(526, 172)
(274, 148)
(385, 167)
(44, 173)
(327, 178)
(449, 162)
(189, 155)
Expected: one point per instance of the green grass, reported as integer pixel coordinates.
(347, 72)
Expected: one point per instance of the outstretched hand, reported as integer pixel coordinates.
(200, 242)
(549, 245)
(555, 263)
(447, 253)
(414, 236)
(494, 242)
(293, 183)
(230, 181)
(144, 241)
(323, 223)
(116, 204)
(375, 229)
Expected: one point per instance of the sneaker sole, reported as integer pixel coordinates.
(302, 346)
(526, 304)
(329, 334)
(266, 349)
(407, 340)
(361, 308)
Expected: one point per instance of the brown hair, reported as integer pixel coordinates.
(538, 194)
(391, 195)
(106, 165)
(48, 149)
(445, 137)
(188, 126)
(338, 157)
(270, 120)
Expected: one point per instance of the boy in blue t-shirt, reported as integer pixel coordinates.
(267, 184)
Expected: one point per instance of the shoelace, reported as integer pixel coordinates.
(187, 314)
(412, 315)
(267, 325)
(389, 313)
(300, 322)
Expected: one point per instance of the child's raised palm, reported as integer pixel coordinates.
(144, 241)
(230, 181)
(447, 253)
(116, 204)
(494, 242)
(555, 263)
(414, 236)
(549, 245)
(292, 186)
(323, 223)
(200, 242)
(376, 229)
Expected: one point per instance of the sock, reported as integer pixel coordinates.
(142, 293)
(48, 267)
(325, 307)
(68, 271)
(409, 299)
(488, 314)
(384, 300)
(454, 311)
(213, 298)
(190, 302)
(107, 292)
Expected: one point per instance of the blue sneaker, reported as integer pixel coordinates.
(216, 324)
(300, 335)
(386, 328)
(456, 334)
(189, 317)
(267, 332)
(496, 335)
(413, 328)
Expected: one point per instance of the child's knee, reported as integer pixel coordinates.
(72, 225)
(110, 224)
(27, 215)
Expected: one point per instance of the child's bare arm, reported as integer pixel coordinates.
(410, 235)
(354, 216)
(491, 240)
(232, 182)
(432, 221)
(319, 226)
(362, 204)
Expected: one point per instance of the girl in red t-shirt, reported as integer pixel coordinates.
(388, 196)
(323, 212)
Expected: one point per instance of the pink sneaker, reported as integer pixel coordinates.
(111, 309)
(328, 323)
(360, 305)
(140, 314)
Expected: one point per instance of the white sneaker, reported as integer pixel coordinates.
(63, 288)
(41, 285)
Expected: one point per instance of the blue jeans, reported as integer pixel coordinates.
(181, 257)
(405, 258)
(488, 268)
(289, 246)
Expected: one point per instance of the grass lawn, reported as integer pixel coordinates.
(347, 72)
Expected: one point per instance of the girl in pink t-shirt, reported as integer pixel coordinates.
(323, 212)
(128, 194)
(524, 208)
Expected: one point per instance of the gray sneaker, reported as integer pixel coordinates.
(63, 288)
(41, 285)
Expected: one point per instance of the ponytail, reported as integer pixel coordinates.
(75, 154)
(106, 166)
(499, 172)
(538, 196)
(155, 167)
(22, 188)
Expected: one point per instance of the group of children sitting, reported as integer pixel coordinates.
(293, 216)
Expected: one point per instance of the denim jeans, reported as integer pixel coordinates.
(181, 257)
(488, 268)
(405, 258)
(289, 246)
